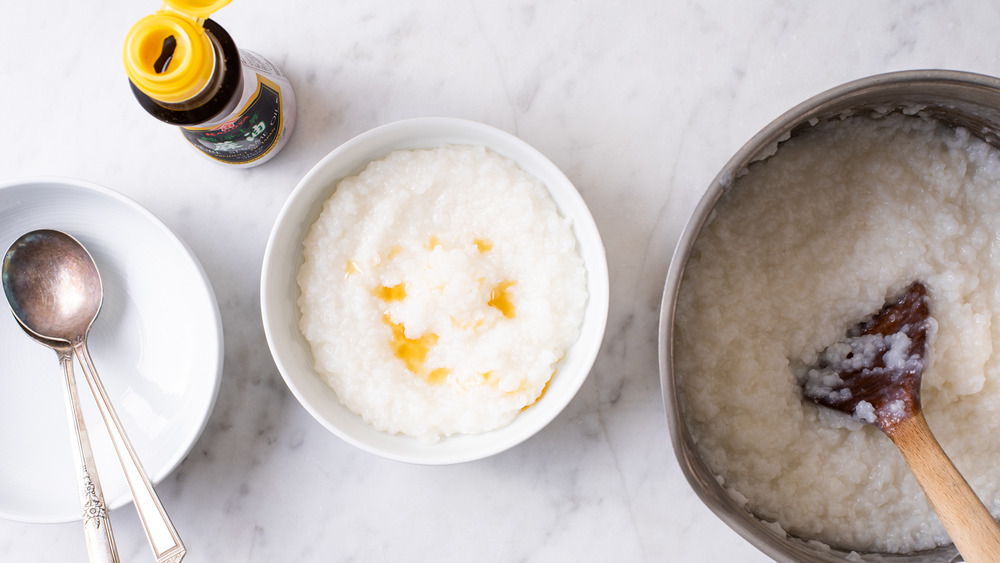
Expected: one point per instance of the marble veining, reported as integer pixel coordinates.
(640, 102)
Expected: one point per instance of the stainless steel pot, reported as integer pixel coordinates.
(957, 98)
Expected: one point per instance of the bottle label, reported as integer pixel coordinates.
(252, 133)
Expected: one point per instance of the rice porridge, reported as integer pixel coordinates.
(440, 289)
(805, 245)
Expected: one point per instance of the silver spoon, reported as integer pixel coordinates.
(55, 293)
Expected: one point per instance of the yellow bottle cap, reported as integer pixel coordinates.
(172, 70)
(199, 9)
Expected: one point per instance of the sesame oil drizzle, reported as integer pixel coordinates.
(413, 350)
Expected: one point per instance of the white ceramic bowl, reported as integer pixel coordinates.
(157, 344)
(280, 292)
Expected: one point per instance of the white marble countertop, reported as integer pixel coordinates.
(640, 102)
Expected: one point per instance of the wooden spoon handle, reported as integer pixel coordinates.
(975, 533)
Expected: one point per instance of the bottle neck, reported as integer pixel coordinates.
(218, 98)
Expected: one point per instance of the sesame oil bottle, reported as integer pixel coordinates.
(231, 104)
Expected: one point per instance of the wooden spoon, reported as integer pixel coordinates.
(874, 375)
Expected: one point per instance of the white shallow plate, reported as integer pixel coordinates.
(280, 291)
(157, 344)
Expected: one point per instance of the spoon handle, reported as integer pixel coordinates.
(975, 533)
(96, 523)
(163, 538)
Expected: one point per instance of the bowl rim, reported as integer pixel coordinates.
(779, 546)
(317, 185)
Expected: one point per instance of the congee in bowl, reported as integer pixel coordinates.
(835, 208)
(440, 289)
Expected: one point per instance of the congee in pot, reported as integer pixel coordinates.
(804, 245)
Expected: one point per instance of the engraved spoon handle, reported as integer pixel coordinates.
(96, 522)
(160, 531)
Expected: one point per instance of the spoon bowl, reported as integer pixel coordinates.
(875, 373)
(52, 285)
